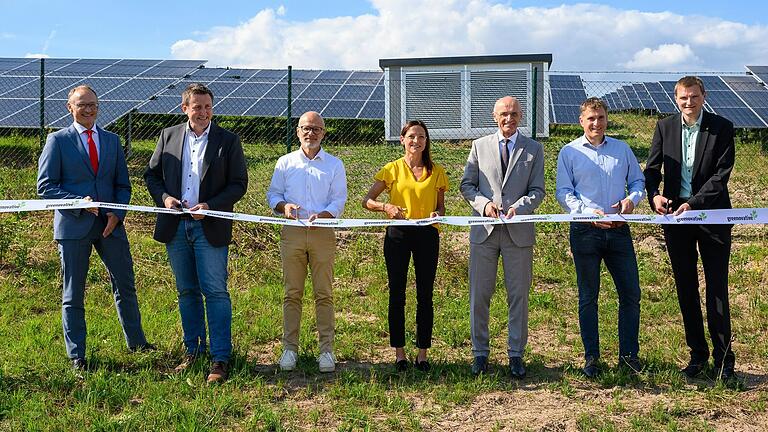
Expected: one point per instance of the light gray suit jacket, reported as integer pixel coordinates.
(522, 187)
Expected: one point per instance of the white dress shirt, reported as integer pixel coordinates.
(84, 138)
(315, 185)
(192, 156)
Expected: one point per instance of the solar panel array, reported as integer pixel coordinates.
(120, 84)
(155, 86)
(566, 95)
(264, 92)
(740, 98)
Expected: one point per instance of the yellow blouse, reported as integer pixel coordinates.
(418, 197)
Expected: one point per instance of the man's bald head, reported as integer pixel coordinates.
(311, 131)
(507, 114)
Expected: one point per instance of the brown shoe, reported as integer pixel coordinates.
(186, 363)
(219, 372)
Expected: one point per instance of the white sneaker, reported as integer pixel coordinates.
(288, 360)
(327, 362)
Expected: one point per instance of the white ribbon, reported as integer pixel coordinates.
(740, 216)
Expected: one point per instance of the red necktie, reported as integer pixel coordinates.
(92, 153)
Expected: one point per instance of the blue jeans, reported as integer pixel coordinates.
(591, 245)
(201, 270)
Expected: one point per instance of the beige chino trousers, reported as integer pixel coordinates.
(300, 247)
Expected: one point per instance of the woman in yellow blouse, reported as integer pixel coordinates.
(416, 188)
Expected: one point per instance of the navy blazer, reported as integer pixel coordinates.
(223, 181)
(65, 172)
(712, 164)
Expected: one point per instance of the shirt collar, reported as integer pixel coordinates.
(698, 120)
(585, 141)
(81, 129)
(205, 132)
(319, 156)
(500, 137)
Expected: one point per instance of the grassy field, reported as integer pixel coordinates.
(38, 391)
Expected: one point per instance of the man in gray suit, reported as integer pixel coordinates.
(85, 161)
(504, 176)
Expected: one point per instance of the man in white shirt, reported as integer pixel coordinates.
(308, 184)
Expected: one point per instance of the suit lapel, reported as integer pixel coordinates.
(105, 148)
(78, 145)
(520, 145)
(211, 150)
(701, 143)
(175, 147)
(677, 143)
(495, 152)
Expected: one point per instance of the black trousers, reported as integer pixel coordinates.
(400, 242)
(714, 245)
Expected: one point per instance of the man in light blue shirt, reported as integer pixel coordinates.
(600, 175)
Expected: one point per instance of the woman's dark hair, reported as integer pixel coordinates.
(426, 158)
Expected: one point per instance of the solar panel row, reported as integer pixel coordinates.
(566, 95)
(120, 84)
(741, 98)
(264, 92)
(155, 86)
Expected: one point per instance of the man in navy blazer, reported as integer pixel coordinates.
(695, 151)
(199, 165)
(85, 161)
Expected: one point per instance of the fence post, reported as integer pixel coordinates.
(42, 103)
(288, 125)
(128, 134)
(535, 104)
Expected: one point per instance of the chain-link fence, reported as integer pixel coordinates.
(363, 110)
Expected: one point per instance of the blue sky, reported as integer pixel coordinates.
(704, 35)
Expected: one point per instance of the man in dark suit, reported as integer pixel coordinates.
(200, 166)
(85, 161)
(504, 176)
(695, 152)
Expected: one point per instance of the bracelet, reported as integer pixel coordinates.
(384, 207)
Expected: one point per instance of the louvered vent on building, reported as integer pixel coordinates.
(435, 98)
(487, 87)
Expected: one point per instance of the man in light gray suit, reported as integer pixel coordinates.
(504, 176)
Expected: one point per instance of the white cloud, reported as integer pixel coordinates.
(581, 37)
(36, 55)
(665, 57)
(48, 40)
(7, 36)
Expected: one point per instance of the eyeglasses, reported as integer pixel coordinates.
(83, 106)
(308, 129)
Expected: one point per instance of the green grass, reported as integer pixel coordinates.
(140, 392)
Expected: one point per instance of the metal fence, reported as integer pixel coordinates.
(361, 108)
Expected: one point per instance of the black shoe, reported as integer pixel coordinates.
(79, 364)
(145, 347)
(694, 368)
(632, 363)
(591, 369)
(423, 366)
(728, 373)
(479, 365)
(402, 365)
(516, 367)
